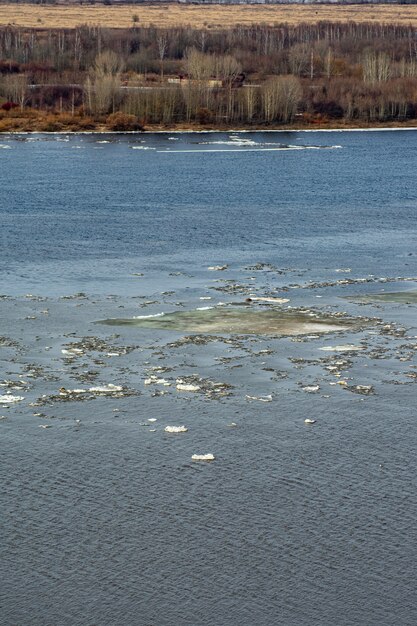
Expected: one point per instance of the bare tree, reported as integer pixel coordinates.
(376, 67)
(162, 50)
(280, 98)
(16, 89)
(102, 87)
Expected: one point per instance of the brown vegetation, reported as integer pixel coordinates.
(258, 76)
(209, 17)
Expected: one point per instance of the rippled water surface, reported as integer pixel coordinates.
(107, 520)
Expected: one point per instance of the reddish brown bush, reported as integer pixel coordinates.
(123, 122)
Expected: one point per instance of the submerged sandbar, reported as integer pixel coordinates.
(238, 320)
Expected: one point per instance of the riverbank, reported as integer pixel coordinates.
(39, 122)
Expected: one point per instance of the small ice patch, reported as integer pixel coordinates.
(154, 380)
(202, 457)
(110, 388)
(176, 429)
(186, 387)
(311, 388)
(10, 399)
(342, 348)
(260, 398)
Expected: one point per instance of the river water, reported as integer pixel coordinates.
(236, 284)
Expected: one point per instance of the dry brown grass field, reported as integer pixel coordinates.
(212, 16)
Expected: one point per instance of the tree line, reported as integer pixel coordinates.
(259, 75)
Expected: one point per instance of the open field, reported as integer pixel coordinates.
(38, 16)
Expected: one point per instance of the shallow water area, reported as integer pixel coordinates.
(401, 297)
(272, 322)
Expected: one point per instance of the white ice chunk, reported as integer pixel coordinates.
(260, 398)
(342, 348)
(185, 387)
(9, 399)
(110, 388)
(176, 429)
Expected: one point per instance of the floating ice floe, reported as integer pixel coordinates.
(311, 388)
(104, 389)
(261, 299)
(65, 392)
(202, 457)
(260, 398)
(154, 380)
(217, 268)
(176, 429)
(309, 421)
(10, 399)
(187, 387)
(72, 351)
(365, 390)
(110, 388)
(342, 348)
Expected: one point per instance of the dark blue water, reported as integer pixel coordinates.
(90, 213)
(109, 522)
